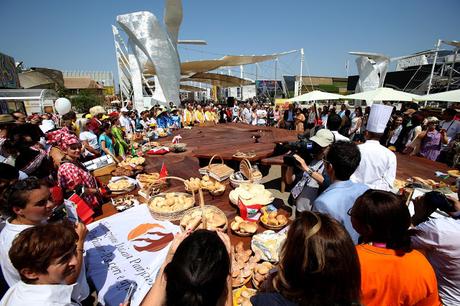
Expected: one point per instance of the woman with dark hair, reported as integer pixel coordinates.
(105, 139)
(356, 123)
(299, 120)
(391, 272)
(318, 266)
(392, 132)
(119, 145)
(196, 272)
(24, 145)
(345, 125)
(410, 138)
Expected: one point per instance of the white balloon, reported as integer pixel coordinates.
(62, 106)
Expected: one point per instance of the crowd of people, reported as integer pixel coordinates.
(352, 241)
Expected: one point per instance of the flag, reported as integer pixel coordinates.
(249, 212)
(163, 171)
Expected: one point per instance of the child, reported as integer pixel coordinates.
(44, 263)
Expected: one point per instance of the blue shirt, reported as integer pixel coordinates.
(290, 116)
(337, 199)
(108, 143)
(164, 122)
(176, 121)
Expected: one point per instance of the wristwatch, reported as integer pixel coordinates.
(310, 172)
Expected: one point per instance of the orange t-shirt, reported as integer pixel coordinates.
(388, 279)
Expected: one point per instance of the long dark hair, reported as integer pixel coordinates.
(381, 216)
(197, 273)
(319, 264)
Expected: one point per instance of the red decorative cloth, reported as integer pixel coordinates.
(61, 138)
(70, 176)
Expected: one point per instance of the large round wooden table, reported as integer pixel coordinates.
(225, 140)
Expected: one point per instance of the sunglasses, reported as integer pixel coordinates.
(75, 146)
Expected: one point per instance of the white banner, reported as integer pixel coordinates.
(124, 248)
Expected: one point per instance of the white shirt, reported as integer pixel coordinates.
(246, 115)
(92, 140)
(377, 168)
(44, 295)
(439, 240)
(261, 115)
(11, 275)
(126, 124)
(452, 129)
(339, 136)
(235, 111)
(395, 136)
(47, 125)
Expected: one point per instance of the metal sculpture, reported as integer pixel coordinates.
(372, 69)
(149, 42)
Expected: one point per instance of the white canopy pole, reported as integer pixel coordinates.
(301, 71)
(434, 64)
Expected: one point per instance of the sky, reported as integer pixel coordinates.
(77, 35)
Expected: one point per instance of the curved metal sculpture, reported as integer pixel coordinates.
(150, 42)
(372, 70)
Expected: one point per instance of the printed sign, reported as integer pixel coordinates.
(127, 247)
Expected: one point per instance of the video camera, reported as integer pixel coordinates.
(304, 147)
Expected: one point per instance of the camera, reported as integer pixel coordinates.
(303, 147)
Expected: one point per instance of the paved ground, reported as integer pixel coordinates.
(272, 182)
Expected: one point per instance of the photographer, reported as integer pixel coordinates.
(314, 177)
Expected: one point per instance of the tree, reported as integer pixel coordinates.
(84, 100)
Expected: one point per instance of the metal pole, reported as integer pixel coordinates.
(452, 68)
(241, 76)
(301, 71)
(434, 64)
(276, 82)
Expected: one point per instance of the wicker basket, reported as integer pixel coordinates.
(219, 172)
(246, 170)
(273, 227)
(176, 215)
(206, 207)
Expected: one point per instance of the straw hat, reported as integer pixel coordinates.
(6, 118)
(432, 119)
(97, 110)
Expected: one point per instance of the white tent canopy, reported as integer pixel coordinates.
(383, 94)
(316, 95)
(190, 68)
(447, 96)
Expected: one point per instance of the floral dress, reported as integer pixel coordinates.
(431, 145)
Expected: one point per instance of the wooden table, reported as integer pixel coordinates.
(186, 167)
(226, 139)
